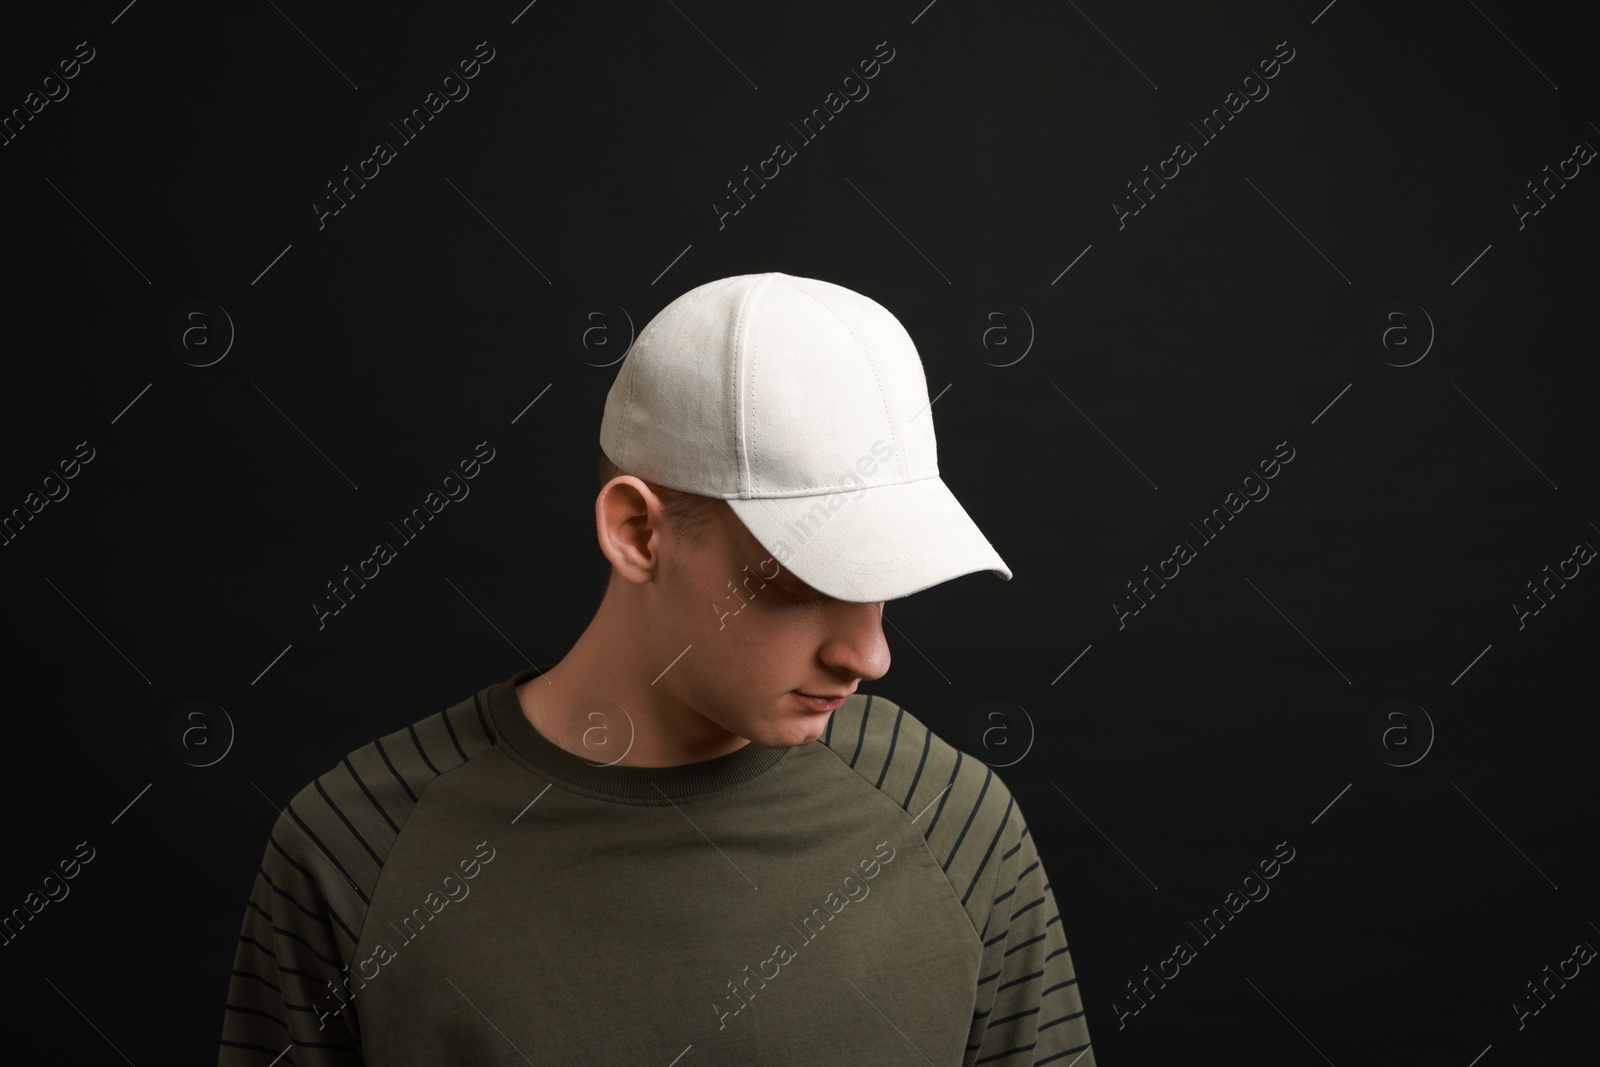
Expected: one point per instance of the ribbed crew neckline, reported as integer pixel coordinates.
(623, 785)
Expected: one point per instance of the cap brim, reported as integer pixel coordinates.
(867, 545)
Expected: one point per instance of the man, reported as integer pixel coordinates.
(693, 840)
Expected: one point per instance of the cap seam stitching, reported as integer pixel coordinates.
(900, 455)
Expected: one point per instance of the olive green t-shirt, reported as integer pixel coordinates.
(465, 891)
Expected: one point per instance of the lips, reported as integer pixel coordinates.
(825, 696)
(816, 703)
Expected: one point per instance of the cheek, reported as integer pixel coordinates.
(746, 642)
(766, 643)
(695, 605)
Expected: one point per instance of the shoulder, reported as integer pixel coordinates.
(340, 827)
(966, 813)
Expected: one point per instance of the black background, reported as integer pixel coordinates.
(1231, 714)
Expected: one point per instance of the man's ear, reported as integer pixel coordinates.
(628, 525)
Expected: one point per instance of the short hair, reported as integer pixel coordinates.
(689, 513)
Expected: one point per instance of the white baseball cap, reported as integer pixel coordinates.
(804, 405)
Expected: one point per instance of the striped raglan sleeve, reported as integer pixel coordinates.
(292, 996)
(1029, 1006)
(298, 935)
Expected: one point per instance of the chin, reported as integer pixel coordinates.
(794, 732)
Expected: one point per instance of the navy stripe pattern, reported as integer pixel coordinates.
(1029, 1009)
(288, 1003)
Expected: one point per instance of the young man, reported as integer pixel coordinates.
(692, 841)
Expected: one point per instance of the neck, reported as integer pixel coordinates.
(603, 701)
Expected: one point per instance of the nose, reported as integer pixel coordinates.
(856, 645)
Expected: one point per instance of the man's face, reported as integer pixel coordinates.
(756, 633)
